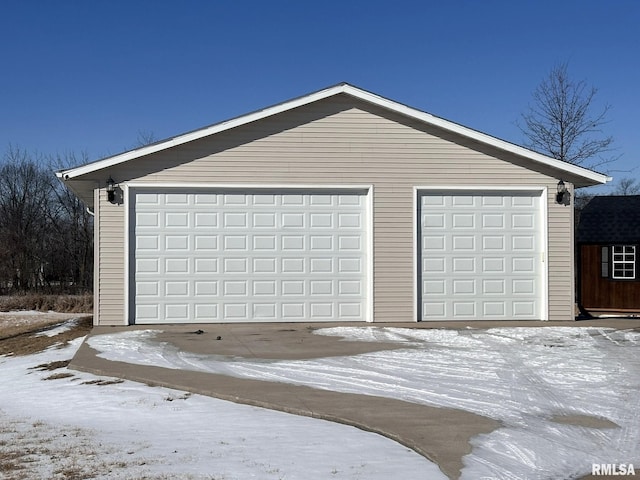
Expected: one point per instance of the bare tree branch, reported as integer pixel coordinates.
(627, 186)
(561, 123)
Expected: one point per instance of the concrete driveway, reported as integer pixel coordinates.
(440, 434)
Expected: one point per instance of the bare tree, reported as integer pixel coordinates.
(627, 186)
(561, 123)
(72, 225)
(46, 233)
(145, 137)
(25, 221)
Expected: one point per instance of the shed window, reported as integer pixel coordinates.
(624, 262)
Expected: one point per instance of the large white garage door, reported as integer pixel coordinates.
(237, 256)
(481, 256)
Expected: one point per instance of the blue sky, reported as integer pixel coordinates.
(88, 76)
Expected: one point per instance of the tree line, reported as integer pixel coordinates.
(46, 233)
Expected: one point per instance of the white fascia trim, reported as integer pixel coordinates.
(320, 95)
(97, 294)
(416, 255)
(544, 212)
(369, 233)
(474, 134)
(126, 196)
(198, 134)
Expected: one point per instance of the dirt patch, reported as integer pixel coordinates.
(103, 383)
(37, 450)
(584, 421)
(16, 323)
(28, 341)
(58, 376)
(51, 365)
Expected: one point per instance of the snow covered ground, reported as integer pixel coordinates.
(567, 396)
(59, 424)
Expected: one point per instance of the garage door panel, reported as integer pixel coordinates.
(478, 245)
(264, 311)
(495, 309)
(293, 266)
(464, 243)
(148, 199)
(147, 220)
(235, 311)
(350, 311)
(493, 286)
(464, 287)
(292, 311)
(523, 221)
(248, 256)
(462, 221)
(433, 242)
(148, 313)
(493, 201)
(464, 309)
(523, 310)
(205, 220)
(204, 312)
(434, 309)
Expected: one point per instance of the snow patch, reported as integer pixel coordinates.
(58, 329)
(129, 430)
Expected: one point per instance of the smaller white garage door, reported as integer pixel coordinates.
(238, 256)
(481, 255)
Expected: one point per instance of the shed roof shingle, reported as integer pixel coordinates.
(610, 219)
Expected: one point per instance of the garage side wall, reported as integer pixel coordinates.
(340, 141)
(561, 257)
(110, 250)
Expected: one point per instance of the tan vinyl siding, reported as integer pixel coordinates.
(111, 262)
(561, 260)
(342, 141)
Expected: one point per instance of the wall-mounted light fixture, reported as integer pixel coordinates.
(111, 190)
(563, 196)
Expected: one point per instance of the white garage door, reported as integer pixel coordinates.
(230, 256)
(481, 256)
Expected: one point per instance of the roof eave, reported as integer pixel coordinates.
(198, 134)
(582, 177)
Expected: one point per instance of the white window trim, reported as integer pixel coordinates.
(625, 250)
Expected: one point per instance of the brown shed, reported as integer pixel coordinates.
(608, 241)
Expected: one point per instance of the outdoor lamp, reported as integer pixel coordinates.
(562, 191)
(111, 190)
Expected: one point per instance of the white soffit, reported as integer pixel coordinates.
(320, 95)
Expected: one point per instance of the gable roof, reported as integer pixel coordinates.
(610, 219)
(579, 176)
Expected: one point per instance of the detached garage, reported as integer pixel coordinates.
(337, 206)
